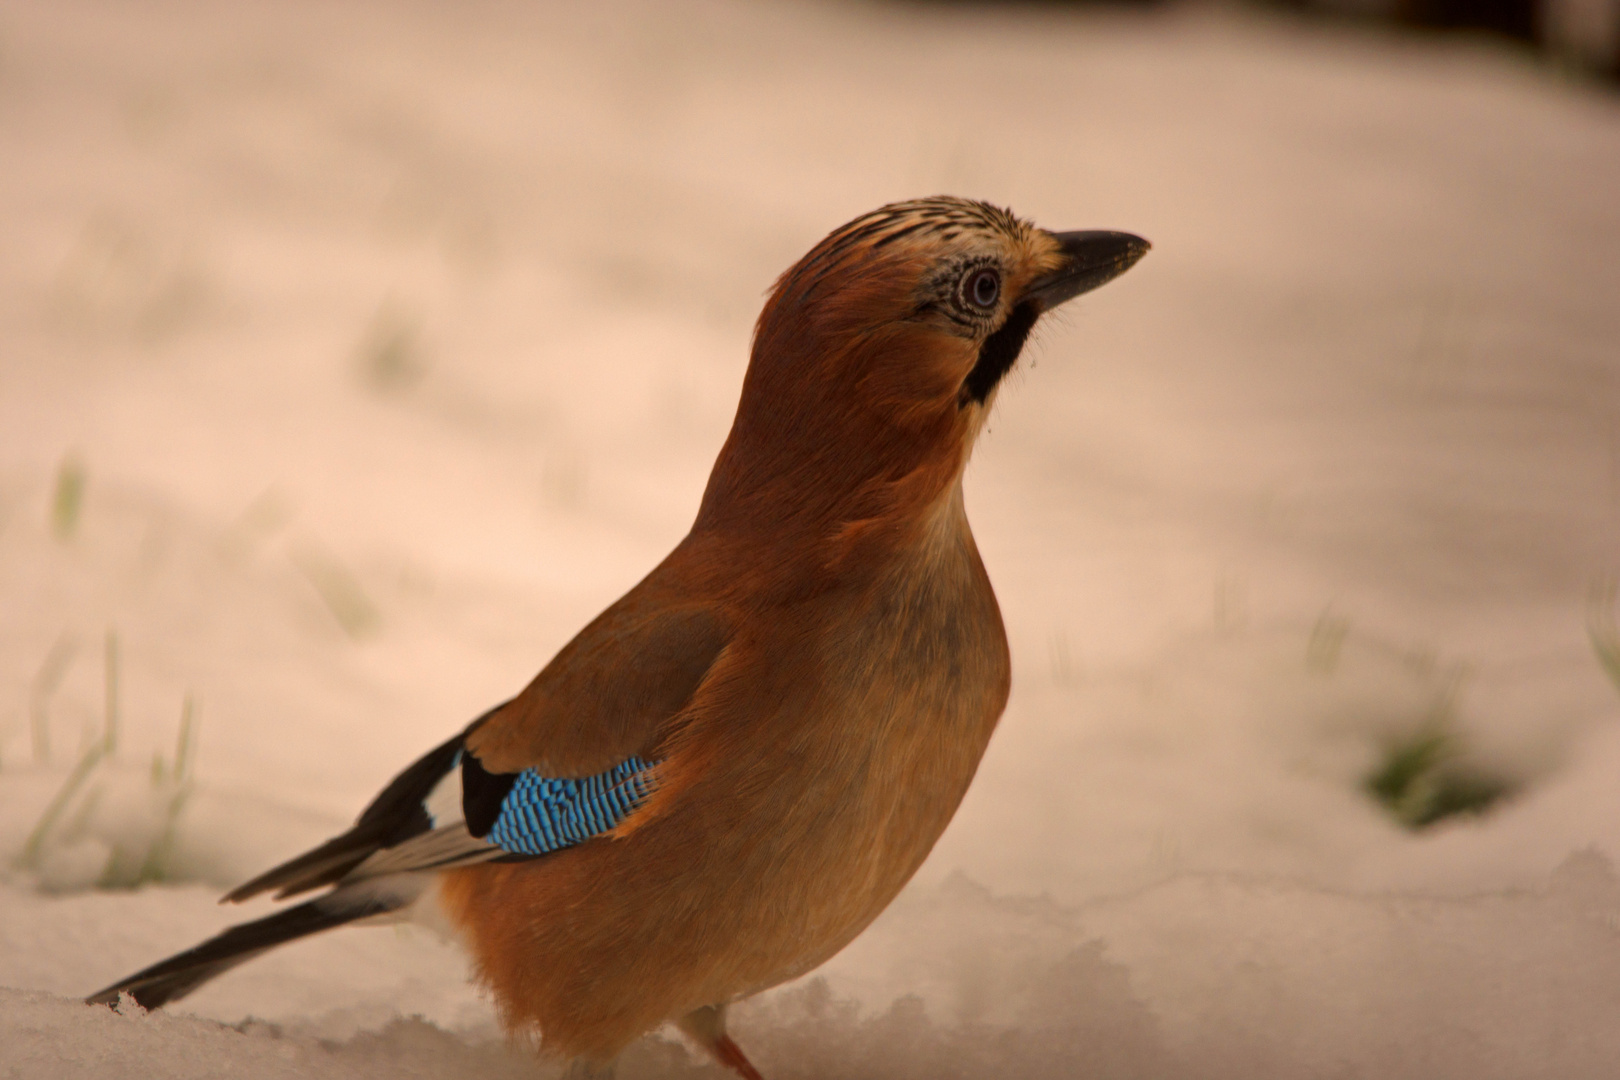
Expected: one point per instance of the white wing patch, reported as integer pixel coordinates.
(446, 844)
(443, 803)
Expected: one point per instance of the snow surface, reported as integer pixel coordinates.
(352, 355)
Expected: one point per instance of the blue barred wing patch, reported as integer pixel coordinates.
(542, 814)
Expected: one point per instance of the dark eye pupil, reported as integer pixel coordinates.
(984, 288)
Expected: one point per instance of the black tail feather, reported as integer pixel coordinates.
(182, 973)
(393, 816)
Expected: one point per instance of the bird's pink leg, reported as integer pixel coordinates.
(729, 1054)
(707, 1028)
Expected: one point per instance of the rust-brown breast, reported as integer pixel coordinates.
(820, 760)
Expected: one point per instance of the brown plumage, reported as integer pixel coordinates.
(813, 673)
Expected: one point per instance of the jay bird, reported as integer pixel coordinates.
(732, 770)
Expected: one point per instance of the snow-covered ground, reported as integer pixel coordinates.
(353, 355)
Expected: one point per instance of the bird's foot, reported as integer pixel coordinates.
(728, 1053)
(581, 1069)
(707, 1028)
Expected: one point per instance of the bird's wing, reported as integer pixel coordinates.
(568, 759)
(610, 693)
(447, 810)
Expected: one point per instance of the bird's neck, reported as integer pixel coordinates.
(789, 544)
(816, 473)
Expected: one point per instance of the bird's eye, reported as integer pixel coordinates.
(982, 288)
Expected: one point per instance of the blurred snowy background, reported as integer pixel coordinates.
(353, 355)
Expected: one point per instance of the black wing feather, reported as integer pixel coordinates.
(395, 815)
(482, 793)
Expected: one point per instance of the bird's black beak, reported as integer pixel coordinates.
(1094, 258)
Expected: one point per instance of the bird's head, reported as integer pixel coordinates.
(878, 356)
